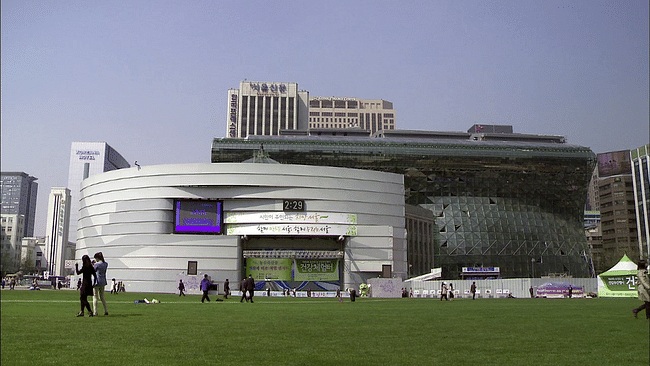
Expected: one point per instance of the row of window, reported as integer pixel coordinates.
(341, 114)
(11, 219)
(604, 214)
(351, 104)
(340, 125)
(388, 122)
(343, 125)
(326, 119)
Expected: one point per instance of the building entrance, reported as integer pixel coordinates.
(294, 263)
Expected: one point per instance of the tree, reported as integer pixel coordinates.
(28, 266)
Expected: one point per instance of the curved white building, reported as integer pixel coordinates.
(154, 225)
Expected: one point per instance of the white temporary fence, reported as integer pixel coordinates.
(517, 287)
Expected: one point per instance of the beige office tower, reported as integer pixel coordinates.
(266, 109)
(616, 205)
(338, 113)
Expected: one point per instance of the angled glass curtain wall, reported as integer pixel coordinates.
(518, 206)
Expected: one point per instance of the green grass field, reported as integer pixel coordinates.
(40, 328)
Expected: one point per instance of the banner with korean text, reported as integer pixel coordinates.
(269, 269)
(316, 270)
(291, 223)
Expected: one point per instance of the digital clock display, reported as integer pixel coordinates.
(293, 205)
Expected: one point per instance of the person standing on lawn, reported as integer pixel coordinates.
(205, 287)
(226, 289)
(98, 290)
(472, 289)
(86, 288)
(243, 288)
(443, 292)
(353, 294)
(644, 289)
(181, 288)
(250, 286)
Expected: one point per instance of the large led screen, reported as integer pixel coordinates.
(198, 216)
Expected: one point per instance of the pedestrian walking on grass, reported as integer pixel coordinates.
(226, 289)
(205, 287)
(242, 288)
(353, 294)
(181, 288)
(472, 289)
(443, 292)
(644, 290)
(250, 286)
(98, 290)
(86, 288)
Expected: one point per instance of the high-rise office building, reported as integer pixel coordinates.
(279, 108)
(88, 159)
(57, 249)
(641, 183)
(616, 206)
(19, 198)
(266, 108)
(337, 113)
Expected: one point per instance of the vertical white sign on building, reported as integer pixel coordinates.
(58, 222)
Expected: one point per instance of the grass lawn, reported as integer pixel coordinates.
(40, 328)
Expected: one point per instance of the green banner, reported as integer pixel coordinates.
(316, 270)
(621, 283)
(269, 269)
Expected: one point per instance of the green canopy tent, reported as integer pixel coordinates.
(620, 280)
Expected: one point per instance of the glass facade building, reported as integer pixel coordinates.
(504, 200)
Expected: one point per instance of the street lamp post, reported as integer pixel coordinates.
(532, 267)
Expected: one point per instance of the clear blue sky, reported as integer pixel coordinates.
(150, 77)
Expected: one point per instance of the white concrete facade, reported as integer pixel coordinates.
(57, 231)
(88, 159)
(32, 254)
(128, 215)
(640, 158)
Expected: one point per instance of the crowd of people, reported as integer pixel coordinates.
(11, 282)
(247, 290)
(94, 280)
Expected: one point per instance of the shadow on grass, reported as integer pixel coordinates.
(119, 315)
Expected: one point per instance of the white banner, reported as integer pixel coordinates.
(289, 217)
(291, 229)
